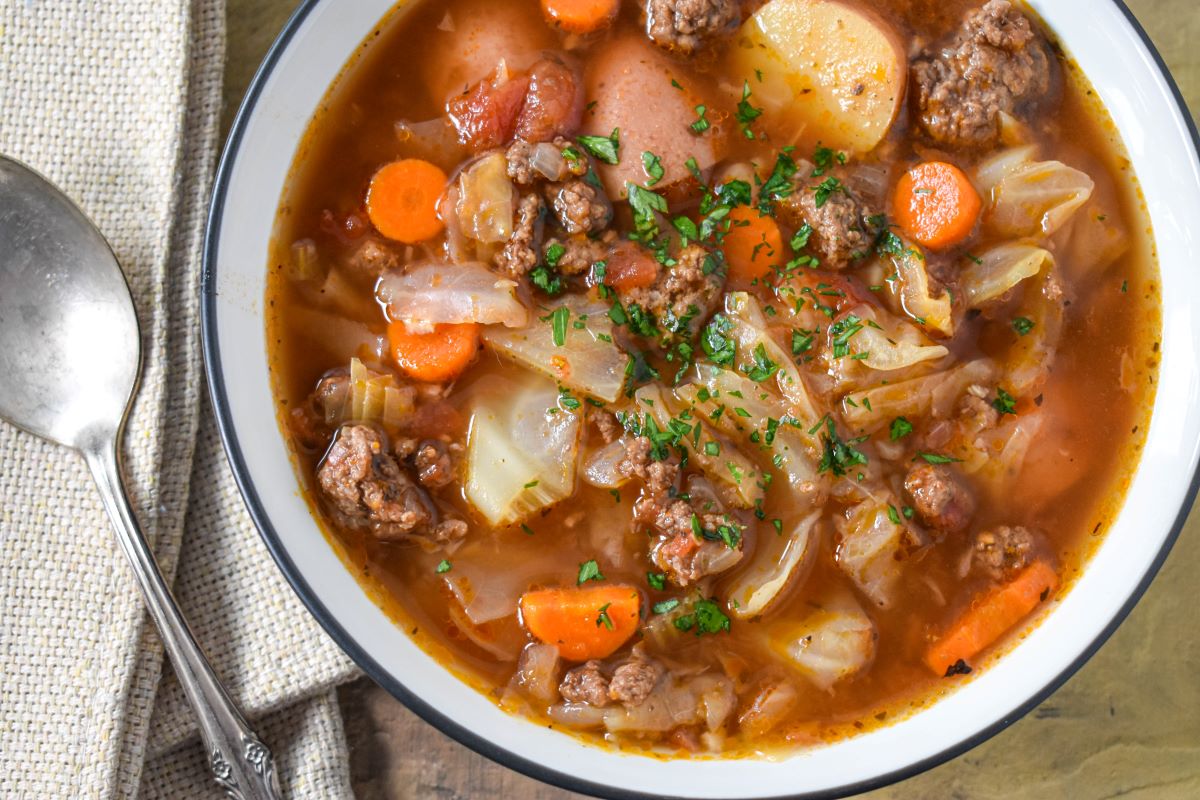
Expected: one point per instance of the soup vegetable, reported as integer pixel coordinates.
(713, 377)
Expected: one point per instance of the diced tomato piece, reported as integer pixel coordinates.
(486, 116)
(553, 104)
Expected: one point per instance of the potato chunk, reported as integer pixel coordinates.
(832, 72)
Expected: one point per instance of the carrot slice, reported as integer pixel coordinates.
(991, 616)
(581, 16)
(438, 356)
(585, 622)
(751, 246)
(936, 204)
(403, 198)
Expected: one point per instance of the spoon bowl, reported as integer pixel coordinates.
(70, 356)
(69, 342)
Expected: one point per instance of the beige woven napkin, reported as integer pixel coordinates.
(118, 102)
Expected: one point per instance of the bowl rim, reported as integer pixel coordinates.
(422, 708)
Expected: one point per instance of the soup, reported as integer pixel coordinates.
(713, 378)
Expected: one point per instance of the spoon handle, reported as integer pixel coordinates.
(241, 764)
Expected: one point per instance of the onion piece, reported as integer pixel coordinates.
(486, 199)
(537, 672)
(769, 708)
(520, 456)
(780, 563)
(601, 467)
(547, 160)
(587, 360)
(435, 293)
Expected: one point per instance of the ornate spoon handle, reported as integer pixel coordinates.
(241, 764)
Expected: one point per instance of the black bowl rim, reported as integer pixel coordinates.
(493, 750)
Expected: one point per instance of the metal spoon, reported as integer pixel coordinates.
(70, 354)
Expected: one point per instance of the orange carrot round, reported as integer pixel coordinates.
(936, 204)
(751, 246)
(581, 16)
(991, 616)
(439, 356)
(585, 622)
(403, 198)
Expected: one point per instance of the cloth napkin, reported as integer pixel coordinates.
(118, 103)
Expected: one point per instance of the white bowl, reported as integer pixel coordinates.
(1118, 57)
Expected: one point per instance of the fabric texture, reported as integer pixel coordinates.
(118, 103)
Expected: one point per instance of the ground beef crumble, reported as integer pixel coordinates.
(520, 252)
(997, 62)
(687, 25)
(1000, 552)
(940, 497)
(844, 226)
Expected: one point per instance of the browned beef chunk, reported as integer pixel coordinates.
(580, 207)
(683, 295)
(519, 158)
(585, 684)
(309, 421)
(686, 25)
(633, 681)
(365, 486)
(844, 226)
(1001, 552)
(372, 258)
(976, 412)
(520, 252)
(434, 466)
(606, 424)
(940, 497)
(997, 62)
(579, 253)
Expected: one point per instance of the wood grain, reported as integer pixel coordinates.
(1127, 725)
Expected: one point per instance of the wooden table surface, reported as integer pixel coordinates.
(1127, 725)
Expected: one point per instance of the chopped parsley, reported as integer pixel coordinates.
(644, 204)
(825, 189)
(443, 567)
(901, 427)
(1005, 403)
(605, 148)
(589, 571)
(603, 619)
(893, 514)
(802, 341)
(763, 367)
(1022, 325)
(715, 341)
(841, 332)
(937, 458)
(823, 160)
(558, 324)
(652, 164)
(531, 484)
(701, 124)
(747, 113)
(706, 618)
(657, 580)
(778, 184)
(838, 456)
(544, 278)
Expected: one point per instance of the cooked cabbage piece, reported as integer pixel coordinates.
(1033, 354)
(521, 449)
(832, 644)
(758, 352)
(706, 700)
(932, 312)
(371, 397)
(572, 343)
(870, 545)
(831, 72)
(429, 294)
(1027, 197)
(719, 393)
(933, 394)
(780, 564)
(738, 480)
(866, 340)
(999, 269)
